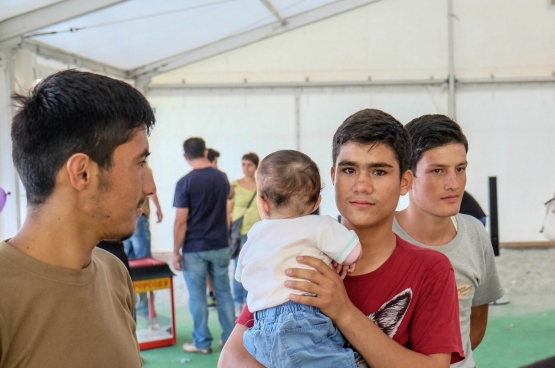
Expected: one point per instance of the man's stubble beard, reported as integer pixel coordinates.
(113, 233)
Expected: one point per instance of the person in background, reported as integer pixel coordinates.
(245, 191)
(213, 157)
(80, 143)
(432, 221)
(201, 234)
(469, 206)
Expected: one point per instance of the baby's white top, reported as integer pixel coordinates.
(273, 246)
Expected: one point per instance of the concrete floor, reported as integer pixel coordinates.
(528, 276)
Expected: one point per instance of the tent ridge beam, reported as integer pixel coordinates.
(299, 85)
(507, 80)
(345, 84)
(247, 38)
(268, 4)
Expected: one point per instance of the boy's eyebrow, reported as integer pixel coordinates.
(370, 166)
(379, 164)
(348, 163)
(444, 166)
(143, 154)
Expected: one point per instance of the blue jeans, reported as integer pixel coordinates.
(195, 267)
(239, 292)
(138, 245)
(297, 335)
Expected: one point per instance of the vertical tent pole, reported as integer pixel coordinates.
(451, 99)
(493, 215)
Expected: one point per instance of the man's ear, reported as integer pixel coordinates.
(406, 182)
(332, 172)
(81, 170)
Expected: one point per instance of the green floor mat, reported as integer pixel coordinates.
(174, 356)
(510, 342)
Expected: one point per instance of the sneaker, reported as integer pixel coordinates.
(211, 302)
(501, 301)
(189, 347)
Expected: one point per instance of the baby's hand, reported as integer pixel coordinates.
(342, 270)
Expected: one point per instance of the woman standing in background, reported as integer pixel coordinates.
(245, 191)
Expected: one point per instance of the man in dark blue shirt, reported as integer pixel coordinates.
(200, 232)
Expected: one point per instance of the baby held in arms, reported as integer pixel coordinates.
(285, 333)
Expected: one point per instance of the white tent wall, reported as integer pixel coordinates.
(510, 130)
(506, 38)
(8, 180)
(237, 122)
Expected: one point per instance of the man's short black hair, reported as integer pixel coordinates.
(212, 154)
(194, 147)
(72, 112)
(371, 126)
(431, 131)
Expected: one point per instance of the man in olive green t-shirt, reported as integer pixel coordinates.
(79, 146)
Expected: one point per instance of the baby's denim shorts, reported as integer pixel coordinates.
(297, 335)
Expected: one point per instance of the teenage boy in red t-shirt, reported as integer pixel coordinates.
(399, 307)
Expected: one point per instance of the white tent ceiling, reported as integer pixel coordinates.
(140, 38)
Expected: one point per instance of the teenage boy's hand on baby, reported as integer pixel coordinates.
(325, 283)
(342, 270)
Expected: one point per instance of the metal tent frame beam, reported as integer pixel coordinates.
(50, 52)
(344, 84)
(268, 4)
(296, 85)
(247, 38)
(12, 29)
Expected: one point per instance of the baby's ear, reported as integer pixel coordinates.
(317, 204)
(263, 207)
